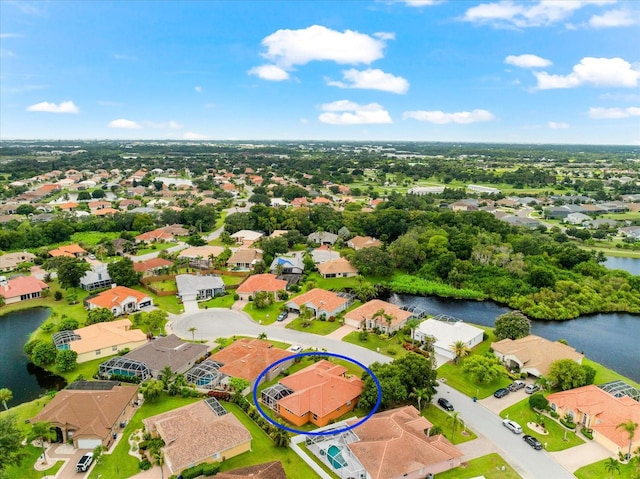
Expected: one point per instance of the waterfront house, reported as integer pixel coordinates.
(321, 302)
(119, 300)
(447, 333)
(378, 314)
(21, 288)
(337, 268)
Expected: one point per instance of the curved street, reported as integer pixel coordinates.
(530, 464)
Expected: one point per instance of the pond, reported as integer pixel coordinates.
(25, 380)
(632, 265)
(610, 339)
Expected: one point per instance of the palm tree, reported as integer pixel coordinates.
(612, 465)
(460, 350)
(389, 319)
(412, 324)
(5, 396)
(630, 427)
(193, 330)
(420, 394)
(543, 382)
(377, 315)
(455, 419)
(42, 431)
(166, 375)
(280, 437)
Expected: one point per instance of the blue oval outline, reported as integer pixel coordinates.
(314, 433)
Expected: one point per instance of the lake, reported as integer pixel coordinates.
(26, 380)
(632, 265)
(610, 339)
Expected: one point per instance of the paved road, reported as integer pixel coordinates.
(530, 464)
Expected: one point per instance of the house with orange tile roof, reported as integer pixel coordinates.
(98, 205)
(151, 266)
(105, 212)
(337, 268)
(361, 242)
(100, 340)
(243, 259)
(393, 444)
(321, 302)
(68, 206)
(532, 354)
(70, 250)
(300, 201)
(153, 236)
(89, 417)
(378, 314)
(260, 282)
(318, 394)
(321, 200)
(594, 408)
(119, 300)
(213, 434)
(21, 288)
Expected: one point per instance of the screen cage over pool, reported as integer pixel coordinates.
(124, 366)
(205, 375)
(271, 395)
(333, 451)
(63, 338)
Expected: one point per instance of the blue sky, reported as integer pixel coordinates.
(559, 71)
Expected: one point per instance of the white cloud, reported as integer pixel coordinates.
(557, 125)
(189, 135)
(198, 89)
(385, 35)
(613, 113)
(442, 118)
(171, 125)
(372, 79)
(287, 48)
(269, 72)
(124, 123)
(64, 107)
(527, 61)
(10, 35)
(614, 18)
(353, 113)
(526, 14)
(600, 72)
(420, 3)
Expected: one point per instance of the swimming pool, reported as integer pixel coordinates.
(334, 456)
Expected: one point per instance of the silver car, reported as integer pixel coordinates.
(512, 426)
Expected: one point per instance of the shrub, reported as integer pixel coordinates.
(144, 465)
(568, 423)
(57, 295)
(210, 469)
(554, 415)
(538, 401)
(587, 432)
(236, 296)
(47, 327)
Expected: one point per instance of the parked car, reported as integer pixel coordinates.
(512, 426)
(502, 392)
(532, 441)
(84, 462)
(282, 316)
(297, 348)
(531, 388)
(445, 404)
(516, 385)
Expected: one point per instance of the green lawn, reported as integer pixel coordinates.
(225, 301)
(86, 370)
(265, 315)
(165, 285)
(120, 464)
(489, 467)
(25, 411)
(232, 280)
(598, 471)
(441, 418)
(154, 247)
(605, 375)
(166, 303)
(263, 450)
(25, 469)
(315, 326)
(389, 347)
(92, 238)
(554, 441)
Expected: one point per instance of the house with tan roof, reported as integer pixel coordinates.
(318, 394)
(246, 237)
(89, 413)
(201, 256)
(260, 282)
(152, 266)
(532, 354)
(245, 358)
(395, 444)
(243, 259)
(10, 261)
(592, 407)
(119, 300)
(21, 288)
(70, 250)
(337, 268)
(213, 434)
(378, 314)
(361, 242)
(268, 470)
(321, 302)
(100, 340)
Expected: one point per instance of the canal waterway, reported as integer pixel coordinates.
(25, 380)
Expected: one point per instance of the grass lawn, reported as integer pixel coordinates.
(605, 375)
(92, 238)
(167, 303)
(25, 411)
(263, 450)
(266, 315)
(316, 326)
(120, 464)
(25, 469)
(225, 301)
(597, 471)
(86, 370)
(441, 418)
(489, 467)
(232, 280)
(554, 441)
(389, 347)
(332, 284)
(154, 247)
(165, 285)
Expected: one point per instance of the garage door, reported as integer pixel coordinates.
(89, 443)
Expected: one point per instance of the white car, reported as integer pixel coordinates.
(512, 426)
(296, 349)
(84, 462)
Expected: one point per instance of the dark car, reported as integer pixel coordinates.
(282, 316)
(445, 404)
(502, 392)
(532, 441)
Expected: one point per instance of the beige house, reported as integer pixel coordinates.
(10, 261)
(337, 268)
(244, 258)
(360, 242)
(213, 434)
(100, 340)
(21, 288)
(532, 354)
(89, 413)
(377, 314)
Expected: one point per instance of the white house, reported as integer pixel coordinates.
(447, 333)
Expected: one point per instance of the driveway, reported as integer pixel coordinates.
(498, 404)
(190, 306)
(71, 456)
(576, 457)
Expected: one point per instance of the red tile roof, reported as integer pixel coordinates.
(321, 299)
(367, 310)
(22, 285)
(247, 358)
(262, 282)
(152, 263)
(115, 297)
(68, 250)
